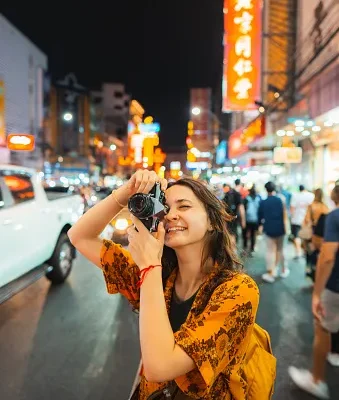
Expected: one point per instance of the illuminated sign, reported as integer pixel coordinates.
(149, 129)
(235, 144)
(221, 153)
(131, 127)
(175, 165)
(149, 144)
(240, 139)
(20, 142)
(287, 155)
(197, 165)
(242, 54)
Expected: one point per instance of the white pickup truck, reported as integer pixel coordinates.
(33, 230)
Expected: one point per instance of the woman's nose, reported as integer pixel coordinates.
(171, 215)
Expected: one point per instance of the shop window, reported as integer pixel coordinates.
(20, 187)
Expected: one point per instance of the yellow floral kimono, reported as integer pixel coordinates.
(216, 339)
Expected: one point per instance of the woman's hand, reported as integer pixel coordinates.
(145, 248)
(141, 181)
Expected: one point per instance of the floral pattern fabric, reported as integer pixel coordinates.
(216, 339)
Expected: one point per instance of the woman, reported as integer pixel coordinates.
(316, 208)
(315, 217)
(196, 330)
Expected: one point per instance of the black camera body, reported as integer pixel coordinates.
(149, 208)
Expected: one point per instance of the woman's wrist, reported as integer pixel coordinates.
(154, 263)
(121, 196)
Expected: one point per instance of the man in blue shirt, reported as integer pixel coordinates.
(272, 215)
(325, 307)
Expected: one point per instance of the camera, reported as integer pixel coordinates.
(149, 208)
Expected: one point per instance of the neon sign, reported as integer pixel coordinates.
(242, 55)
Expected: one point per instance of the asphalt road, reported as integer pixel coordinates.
(76, 342)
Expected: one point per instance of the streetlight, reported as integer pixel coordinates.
(196, 111)
(68, 117)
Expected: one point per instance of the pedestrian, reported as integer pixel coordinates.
(299, 205)
(251, 204)
(196, 307)
(273, 217)
(325, 307)
(314, 222)
(235, 207)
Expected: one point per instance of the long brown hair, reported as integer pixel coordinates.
(318, 195)
(218, 244)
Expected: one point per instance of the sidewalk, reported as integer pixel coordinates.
(285, 312)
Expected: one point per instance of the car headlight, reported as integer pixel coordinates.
(121, 224)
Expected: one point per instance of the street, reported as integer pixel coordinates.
(77, 342)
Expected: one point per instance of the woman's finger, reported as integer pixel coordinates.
(144, 182)
(138, 179)
(163, 184)
(153, 178)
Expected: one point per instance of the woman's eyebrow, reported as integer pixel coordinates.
(179, 201)
(183, 200)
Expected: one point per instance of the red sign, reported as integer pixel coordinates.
(240, 140)
(20, 142)
(242, 54)
(235, 144)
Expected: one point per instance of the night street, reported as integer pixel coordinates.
(77, 342)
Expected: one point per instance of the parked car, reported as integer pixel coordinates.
(33, 230)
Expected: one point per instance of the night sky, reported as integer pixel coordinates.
(158, 48)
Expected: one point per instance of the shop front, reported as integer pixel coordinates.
(324, 109)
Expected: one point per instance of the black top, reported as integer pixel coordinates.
(179, 310)
(233, 201)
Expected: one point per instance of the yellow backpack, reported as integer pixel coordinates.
(260, 365)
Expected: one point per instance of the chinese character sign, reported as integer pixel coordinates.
(242, 54)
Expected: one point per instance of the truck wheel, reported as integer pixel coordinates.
(61, 260)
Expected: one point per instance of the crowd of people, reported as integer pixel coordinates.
(307, 221)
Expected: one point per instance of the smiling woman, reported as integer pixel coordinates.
(197, 307)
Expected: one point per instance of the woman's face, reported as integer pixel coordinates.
(186, 222)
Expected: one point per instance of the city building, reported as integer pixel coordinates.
(202, 132)
(298, 141)
(110, 110)
(109, 115)
(66, 133)
(314, 117)
(22, 83)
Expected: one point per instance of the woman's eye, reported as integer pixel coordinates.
(184, 207)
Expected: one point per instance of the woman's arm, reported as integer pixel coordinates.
(307, 219)
(84, 234)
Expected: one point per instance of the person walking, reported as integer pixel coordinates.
(273, 217)
(251, 204)
(325, 308)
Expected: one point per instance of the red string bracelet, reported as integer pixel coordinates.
(143, 273)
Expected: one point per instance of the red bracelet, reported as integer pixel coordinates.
(142, 274)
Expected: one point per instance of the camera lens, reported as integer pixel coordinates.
(141, 205)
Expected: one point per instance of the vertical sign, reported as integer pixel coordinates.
(242, 54)
(2, 113)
